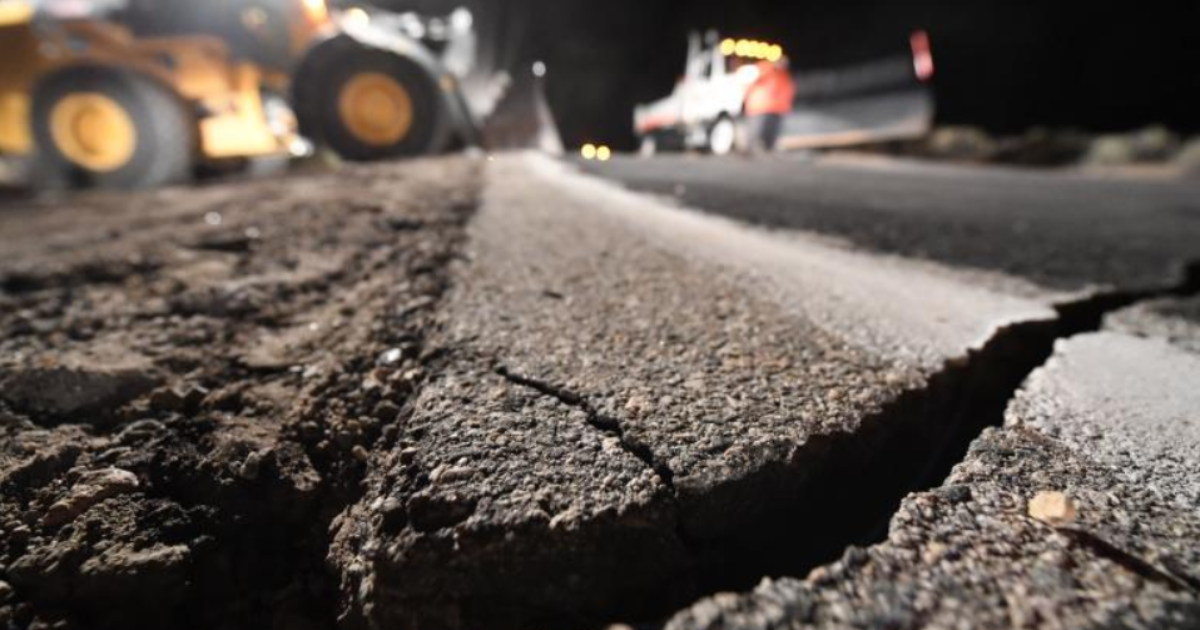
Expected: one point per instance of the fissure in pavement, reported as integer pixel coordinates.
(853, 483)
(601, 422)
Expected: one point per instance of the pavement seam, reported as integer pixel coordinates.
(605, 424)
(1131, 561)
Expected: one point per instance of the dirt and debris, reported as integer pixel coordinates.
(326, 402)
(191, 382)
(1052, 507)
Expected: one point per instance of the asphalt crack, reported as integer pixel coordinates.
(1132, 562)
(603, 423)
(1027, 346)
(856, 482)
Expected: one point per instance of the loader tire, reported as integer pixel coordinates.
(368, 104)
(111, 128)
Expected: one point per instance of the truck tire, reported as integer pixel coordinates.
(368, 104)
(648, 147)
(722, 136)
(111, 128)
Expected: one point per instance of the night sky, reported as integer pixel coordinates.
(1005, 65)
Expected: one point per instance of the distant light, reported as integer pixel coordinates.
(213, 218)
(462, 20)
(588, 151)
(922, 55)
(603, 153)
(317, 10)
(357, 16)
(752, 49)
(539, 69)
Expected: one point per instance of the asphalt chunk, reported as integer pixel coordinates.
(778, 393)
(500, 506)
(1105, 425)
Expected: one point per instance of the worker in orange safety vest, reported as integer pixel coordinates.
(768, 100)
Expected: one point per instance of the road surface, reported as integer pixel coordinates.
(1061, 231)
(505, 393)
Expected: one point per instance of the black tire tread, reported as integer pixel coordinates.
(166, 128)
(318, 82)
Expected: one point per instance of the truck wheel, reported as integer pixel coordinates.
(371, 105)
(648, 146)
(722, 136)
(110, 128)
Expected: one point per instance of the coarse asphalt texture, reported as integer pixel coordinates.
(498, 392)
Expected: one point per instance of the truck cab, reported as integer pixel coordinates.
(702, 111)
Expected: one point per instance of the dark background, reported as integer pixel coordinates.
(1005, 65)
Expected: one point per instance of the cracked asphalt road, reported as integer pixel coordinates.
(1109, 421)
(546, 401)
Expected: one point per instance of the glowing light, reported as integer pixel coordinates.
(462, 19)
(539, 68)
(357, 16)
(752, 49)
(603, 153)
(317, 10)
(922, 55)
(588, 151)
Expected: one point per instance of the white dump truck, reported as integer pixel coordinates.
(888, 97)
(702, 111)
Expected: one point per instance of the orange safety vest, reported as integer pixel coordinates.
(772, 93)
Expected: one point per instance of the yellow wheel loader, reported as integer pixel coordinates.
(91, 104)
